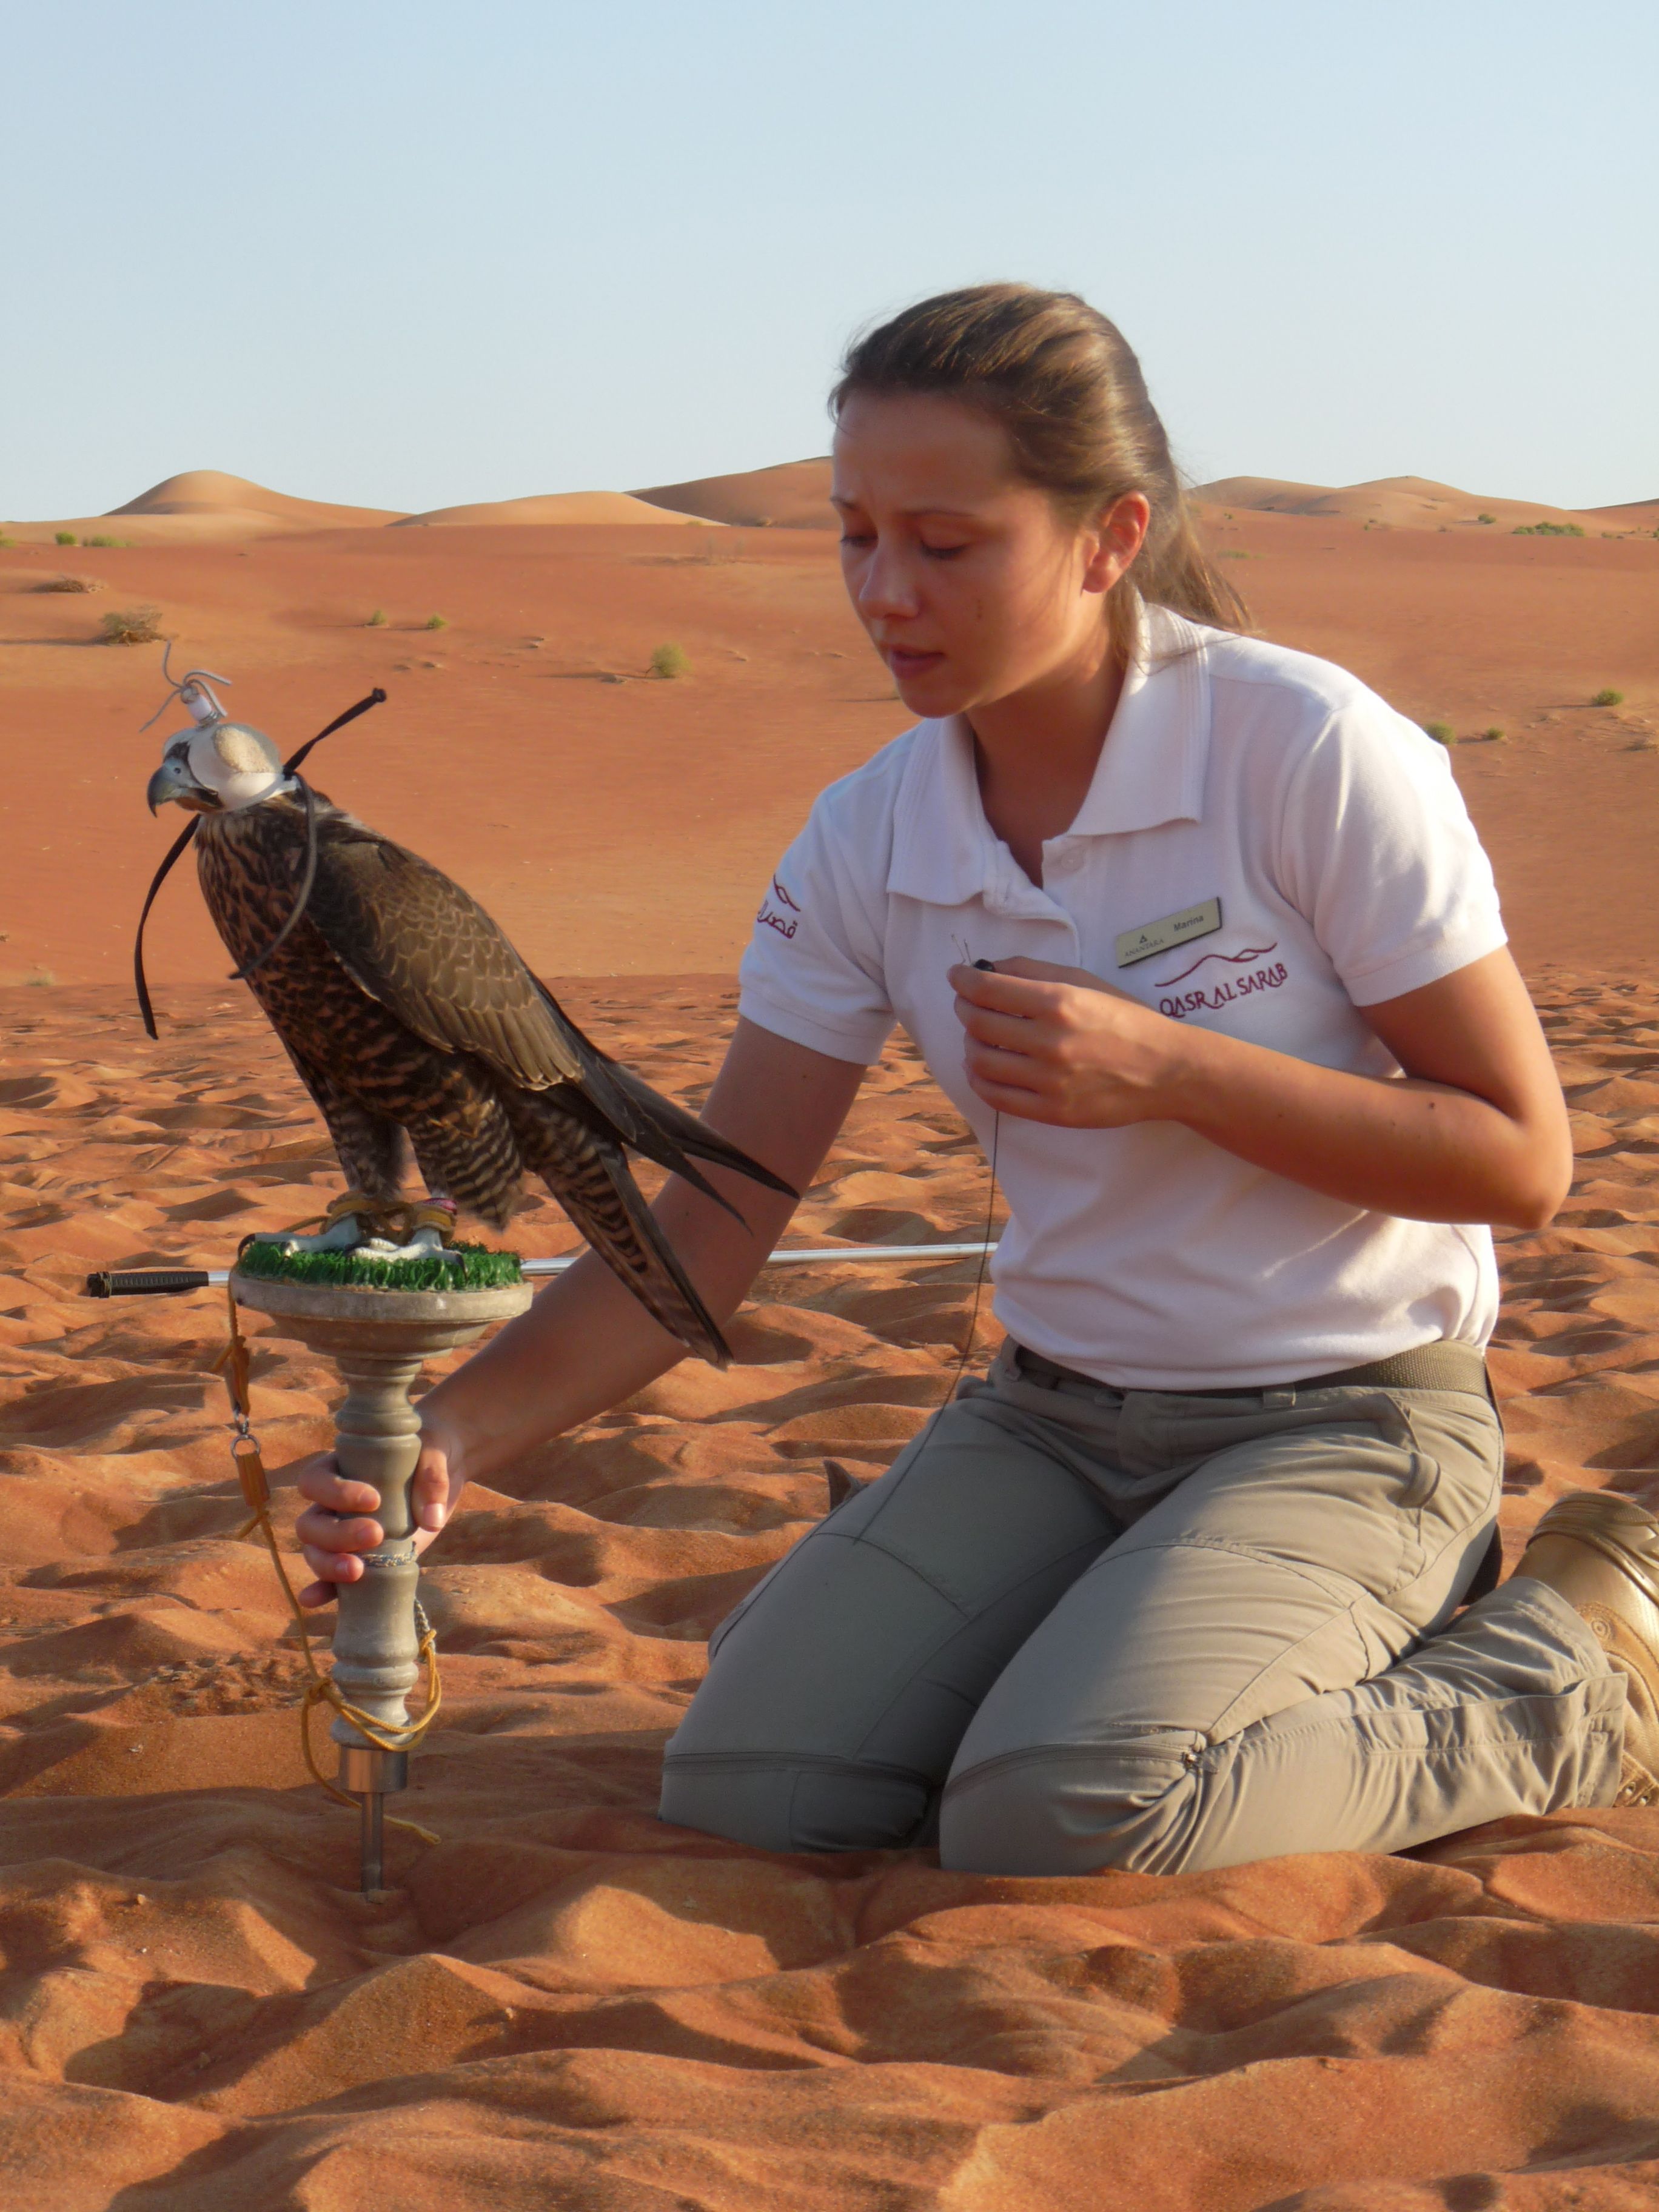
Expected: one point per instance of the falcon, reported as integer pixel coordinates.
(415, 1026)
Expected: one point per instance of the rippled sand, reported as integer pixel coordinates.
(565, 2002)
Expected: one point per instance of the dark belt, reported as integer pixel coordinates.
(1440, 1366)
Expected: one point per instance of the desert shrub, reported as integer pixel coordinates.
(68, 584)
(133, 626)
(66, 537)
(1486, 518)
(42, 980)
(1609, 697)
(7, 542)
(1546, 529)
(1442, 732)
(377, 620)
(1493, 734)
(671, 661)
(436, 621)
(107, 541)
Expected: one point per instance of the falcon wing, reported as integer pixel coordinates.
(421, 946)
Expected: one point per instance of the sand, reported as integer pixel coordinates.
(559, 506)
(1418, 503)
(563, 2001)
(794, 496)
(615, 823)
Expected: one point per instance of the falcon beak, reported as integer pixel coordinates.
(173, 780)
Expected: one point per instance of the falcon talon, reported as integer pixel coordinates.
(342, 1237)
(425, 1244)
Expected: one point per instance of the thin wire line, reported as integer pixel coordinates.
(984, 1258)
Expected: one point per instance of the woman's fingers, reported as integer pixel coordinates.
(1048, 971)
(338, 1532)
(1016, 1070)
(1003, 993)
(430, 1494)
(319, 1479)
(1015, 1032)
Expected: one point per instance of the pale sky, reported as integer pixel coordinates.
(406, 255)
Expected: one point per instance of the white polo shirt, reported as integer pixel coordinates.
(1332, 833)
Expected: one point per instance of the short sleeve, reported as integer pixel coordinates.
(1377, 850)
(813, 971)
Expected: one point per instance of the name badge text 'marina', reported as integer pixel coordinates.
(1175, 929)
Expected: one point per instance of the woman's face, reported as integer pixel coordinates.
(971, 585)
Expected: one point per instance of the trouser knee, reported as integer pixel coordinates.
(785, 1805)
(1128, 1807)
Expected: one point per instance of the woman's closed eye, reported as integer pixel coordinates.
(942, 552)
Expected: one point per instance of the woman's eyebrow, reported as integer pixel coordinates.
(915, 514)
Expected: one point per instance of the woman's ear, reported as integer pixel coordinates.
(1117, 537)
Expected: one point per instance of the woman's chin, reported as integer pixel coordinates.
(933, 692)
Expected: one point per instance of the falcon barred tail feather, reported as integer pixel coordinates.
(415, 1025)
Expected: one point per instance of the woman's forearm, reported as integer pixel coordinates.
(1476, 1131)
(1422, 1150)
(588, 1343)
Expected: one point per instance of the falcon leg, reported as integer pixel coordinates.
(432, 1227)
(357, 1222)
(346, 1226)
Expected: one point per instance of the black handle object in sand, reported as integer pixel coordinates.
(146, 1282)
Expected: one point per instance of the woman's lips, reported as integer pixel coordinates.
(905, 663)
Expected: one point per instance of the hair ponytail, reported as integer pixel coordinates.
(1065, 385)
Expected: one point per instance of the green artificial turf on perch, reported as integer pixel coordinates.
(479, 1269)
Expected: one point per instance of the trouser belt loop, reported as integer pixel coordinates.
(1047, 1374)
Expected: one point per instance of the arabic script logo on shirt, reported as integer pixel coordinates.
(784, 922)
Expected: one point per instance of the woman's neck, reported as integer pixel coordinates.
(1035, 754)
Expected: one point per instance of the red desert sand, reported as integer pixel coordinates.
(561, 2002)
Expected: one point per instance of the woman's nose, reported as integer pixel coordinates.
(887, 587)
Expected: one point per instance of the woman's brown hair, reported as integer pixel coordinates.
(1065, 385)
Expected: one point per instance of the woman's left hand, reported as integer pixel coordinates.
(1058, 1045)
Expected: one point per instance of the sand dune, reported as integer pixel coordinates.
(206, 507)
(1405, 503)
(1632, 514)
(615, 823)
(209, 491)
(794, 496)
(559, 506)
(563, 2001)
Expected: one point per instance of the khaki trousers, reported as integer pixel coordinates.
(1074, 1627)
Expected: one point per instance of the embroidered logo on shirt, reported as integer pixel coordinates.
(1228, 988)
(785, 925)
(1235, 959)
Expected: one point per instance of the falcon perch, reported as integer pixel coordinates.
(414, 1024)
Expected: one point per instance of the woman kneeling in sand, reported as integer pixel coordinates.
(1197, 932)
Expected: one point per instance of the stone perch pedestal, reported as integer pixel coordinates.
(379, 1340)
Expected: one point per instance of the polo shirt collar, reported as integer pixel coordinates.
(1150, 771)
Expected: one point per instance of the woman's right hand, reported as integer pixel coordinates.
(338, 1525)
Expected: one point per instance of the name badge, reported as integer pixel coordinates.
(1181, 928)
